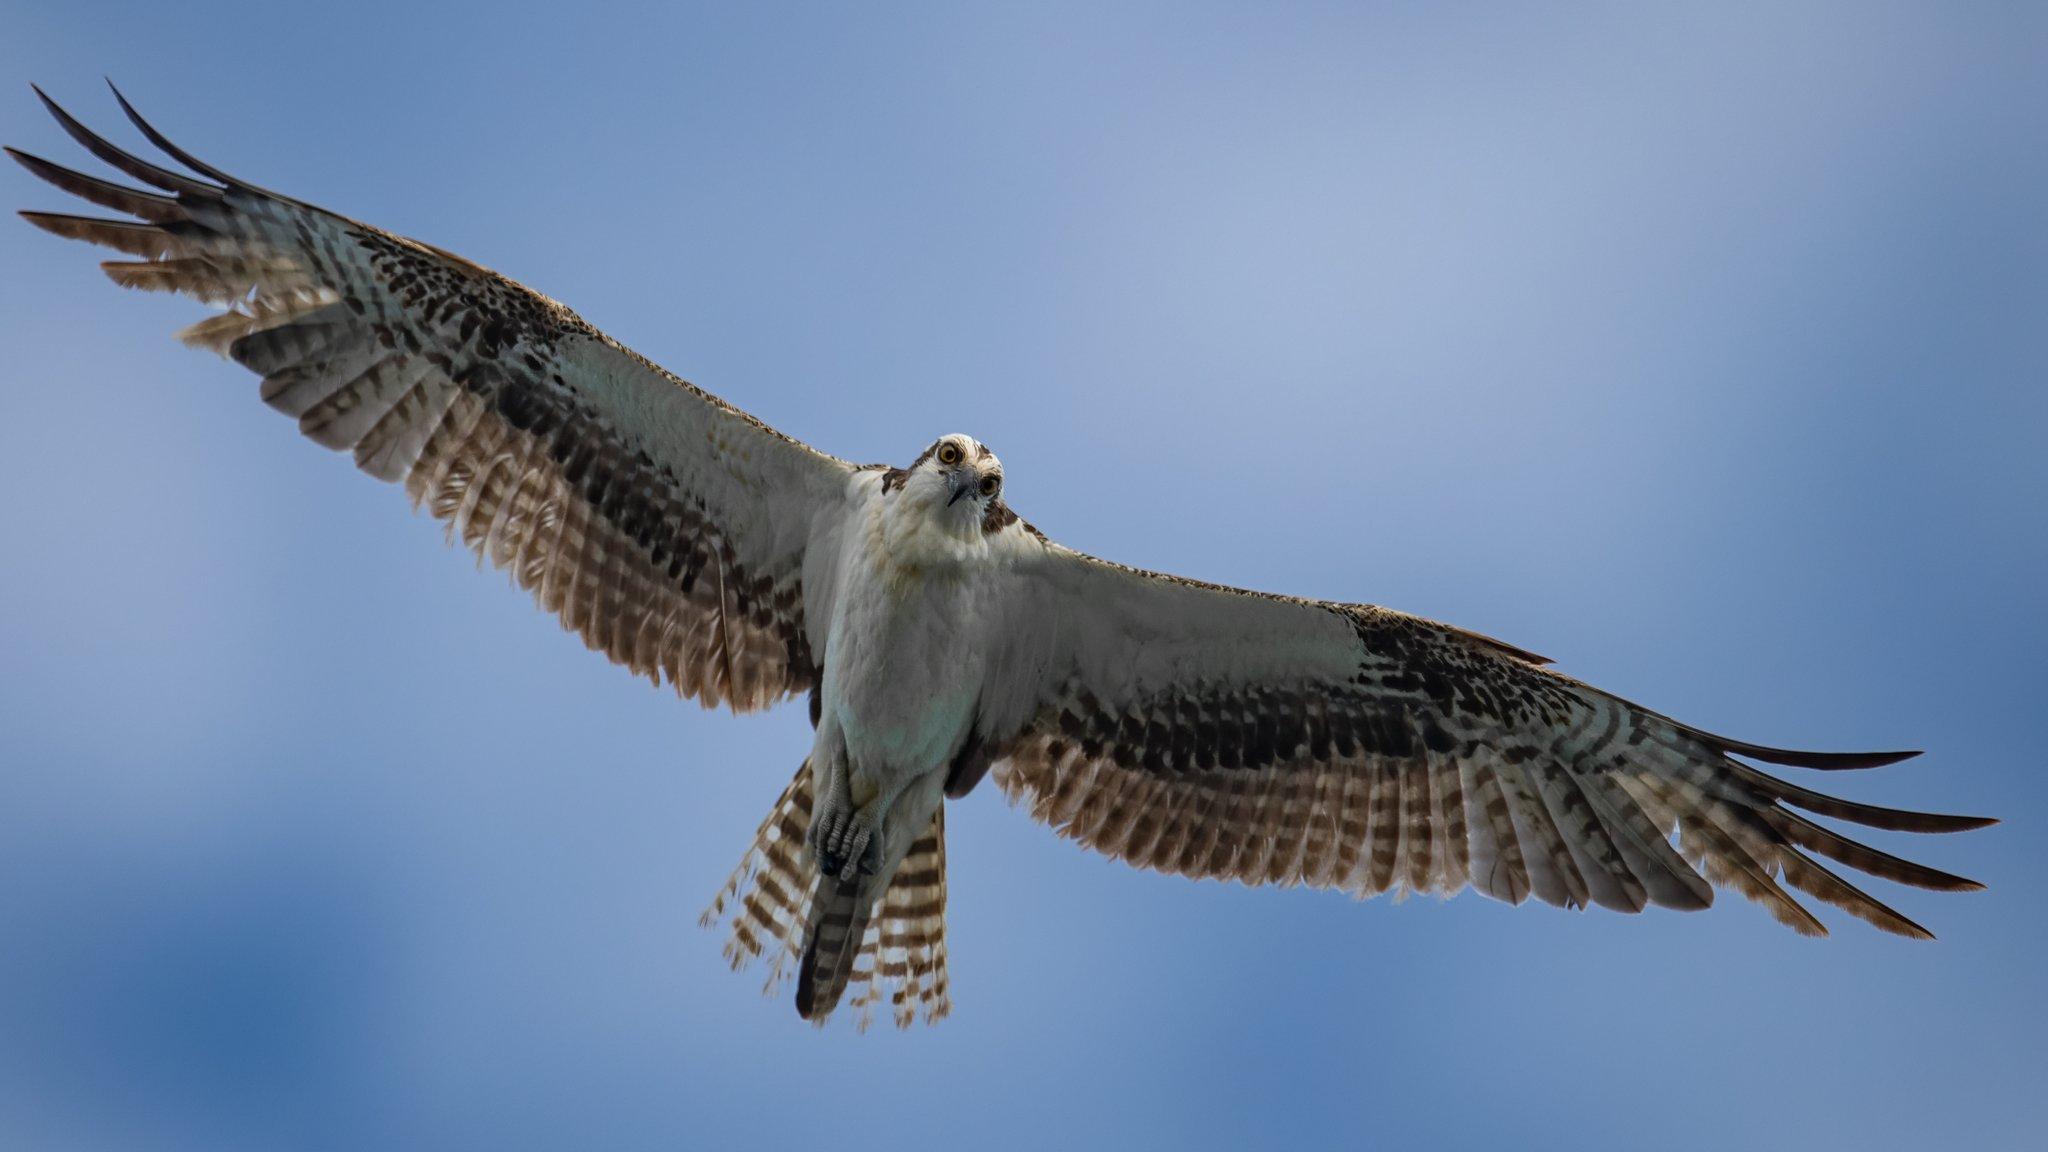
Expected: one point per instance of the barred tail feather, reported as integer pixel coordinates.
(839, 918)
(904, 950)
(767, 900)
(772, 897)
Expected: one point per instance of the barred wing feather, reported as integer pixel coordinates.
(1212, 732)
(668, 529)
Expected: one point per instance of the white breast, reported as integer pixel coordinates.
(902, 657)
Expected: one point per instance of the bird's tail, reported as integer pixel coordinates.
(839, 918)
(898, 951)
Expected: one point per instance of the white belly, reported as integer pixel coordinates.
(902, 671)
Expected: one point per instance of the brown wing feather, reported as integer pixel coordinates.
(666, 528)
(1436, 759)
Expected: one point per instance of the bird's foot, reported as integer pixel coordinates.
(848, 843)
(826, 823)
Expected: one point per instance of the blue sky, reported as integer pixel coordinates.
(1700, 350)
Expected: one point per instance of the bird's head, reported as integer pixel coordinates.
(957, 480)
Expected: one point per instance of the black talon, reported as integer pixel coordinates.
(831, 863)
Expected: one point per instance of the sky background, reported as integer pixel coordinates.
(1703, 351)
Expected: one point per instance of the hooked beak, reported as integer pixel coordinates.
(962, 482)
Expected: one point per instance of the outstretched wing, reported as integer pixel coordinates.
(666, 527)
(1212, 732)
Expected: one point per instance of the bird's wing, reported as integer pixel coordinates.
(666, 527)
(1213, 732)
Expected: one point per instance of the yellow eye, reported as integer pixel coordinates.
(949, 454)
(989, 484)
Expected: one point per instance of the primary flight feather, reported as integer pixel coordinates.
(1182, 726)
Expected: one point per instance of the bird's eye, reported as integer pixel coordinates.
(989, 484)
(949, 454)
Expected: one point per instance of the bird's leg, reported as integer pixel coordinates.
(832, 809)
(855, 846)
(858, 848)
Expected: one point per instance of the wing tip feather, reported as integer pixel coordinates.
(134, 166)
(1822, 761)
(161, 141)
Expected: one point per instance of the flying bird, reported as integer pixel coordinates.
(1177, 725)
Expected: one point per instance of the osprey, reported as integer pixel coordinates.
(1180, 726)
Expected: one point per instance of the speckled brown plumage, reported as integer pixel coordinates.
(1444, 759)
(445, 376)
